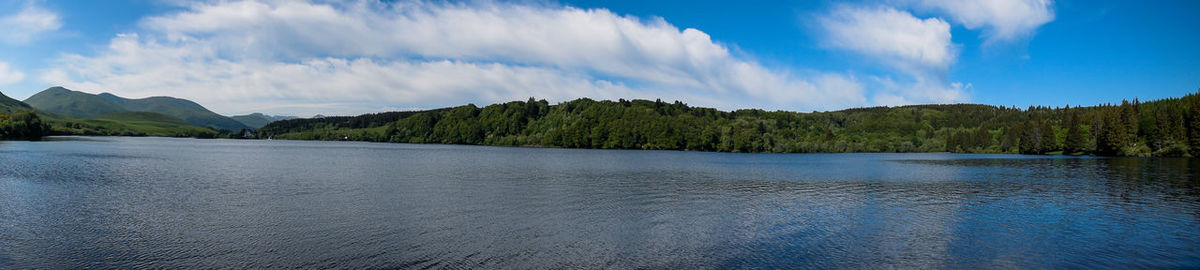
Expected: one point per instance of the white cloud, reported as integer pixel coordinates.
(919, 48)
(8, 75)
(27, 24)
(893, 35)
(356, 57)
(1001, 20)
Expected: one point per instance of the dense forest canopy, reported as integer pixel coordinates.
(355, 122)
(22, 125)
(1168, 127)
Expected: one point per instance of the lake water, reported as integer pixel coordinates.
(187, 203)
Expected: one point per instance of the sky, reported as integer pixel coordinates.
(306, 57)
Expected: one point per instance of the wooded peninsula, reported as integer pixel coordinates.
(1168, 127)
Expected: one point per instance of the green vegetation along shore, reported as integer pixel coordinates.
(22, 125)
(1168, 127)
(18, 121)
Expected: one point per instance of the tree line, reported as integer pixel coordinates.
(22, 125)
(1167, 127)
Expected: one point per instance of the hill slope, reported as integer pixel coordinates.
(140, 117)
(63, 101)
(9, 105)
(128, 124)
(258, 120)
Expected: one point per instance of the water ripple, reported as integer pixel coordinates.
(178, 203)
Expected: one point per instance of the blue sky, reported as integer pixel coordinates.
(349, 57)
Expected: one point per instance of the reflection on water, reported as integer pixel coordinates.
(182, 203)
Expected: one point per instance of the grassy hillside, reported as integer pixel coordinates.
(9, 105)
(61, 101)
(255, 120)
(141, 117)
(76, 113)
(1169, 127)
(258, 120)
(185, 109)
(65, 102)
(128, 124)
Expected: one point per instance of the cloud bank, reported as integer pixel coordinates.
(309, 56)
(294, 56)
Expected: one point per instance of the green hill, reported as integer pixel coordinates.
(258, 120)
(65, 102)
(128, 124)
(18, 121)
(140, 117)
(9, 105)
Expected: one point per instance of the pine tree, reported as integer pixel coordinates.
(1074, 141)
(1193, 125)
(1047, 142)
(1037, 137)
(1129, 118)
(1010, 138)
(1027, 143)
(1110, 137)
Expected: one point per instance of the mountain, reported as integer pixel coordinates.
(258, 120)
(9, 105)
(66, 102)
(61, 101)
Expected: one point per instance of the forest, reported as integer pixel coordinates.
(1168, 127)
(22, 125)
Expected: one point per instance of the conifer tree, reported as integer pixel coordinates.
(1129, 118)
(1027, 143)
(1193, 125)
(1010, 139)
(1074, 141)
(1109, 140)
(1047, 143)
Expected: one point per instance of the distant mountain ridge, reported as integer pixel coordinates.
(59, 100)
(258, 120)
(10, 105)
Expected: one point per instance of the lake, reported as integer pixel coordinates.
(100, 202)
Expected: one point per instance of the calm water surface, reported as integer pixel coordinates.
(186, 203)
